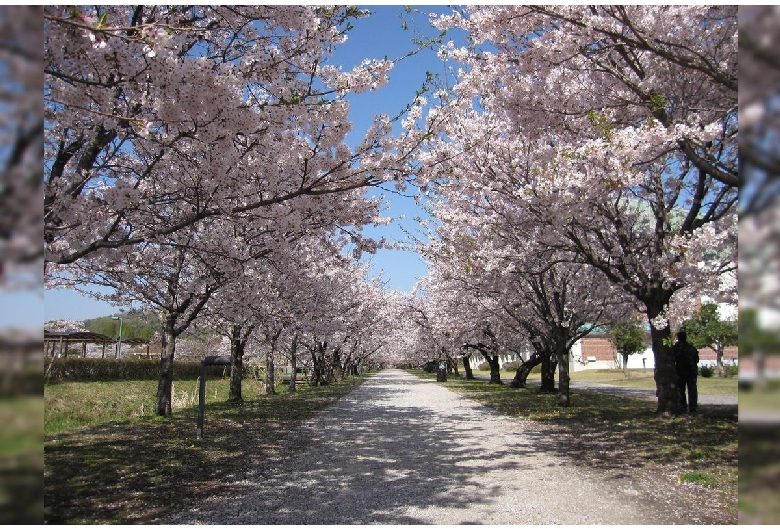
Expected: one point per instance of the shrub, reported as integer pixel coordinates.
(483, 367)
(706, 371)
(511, 367)
(128, 369)
(731, 370)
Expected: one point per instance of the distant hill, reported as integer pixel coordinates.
(136, 323)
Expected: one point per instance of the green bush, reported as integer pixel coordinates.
(706, 371)
(483, 367)
(128, 369)
(511, 367)
(731, 370)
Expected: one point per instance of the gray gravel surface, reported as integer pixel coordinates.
(402, 450)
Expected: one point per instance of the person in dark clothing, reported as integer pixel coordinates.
(686, 361)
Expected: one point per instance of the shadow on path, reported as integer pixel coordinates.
(401, 450)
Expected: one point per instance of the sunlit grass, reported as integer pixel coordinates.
(132, 467)
(21, 460)
(21, 430)
(763, 400)
(697, 477)
(74, 405)
(637, 379)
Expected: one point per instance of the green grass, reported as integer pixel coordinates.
(697, 477)
(21, 430)
(100, 402)
(625, 433)
(109, 460)
(21, 460)
(755, 399)
(637, 379)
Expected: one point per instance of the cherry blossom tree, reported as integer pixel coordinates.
(617, 125)
(536, 294)
(174, 279)
(442, 319)
(158, 117)
(225, 125)
(408, 340)
(343, 326)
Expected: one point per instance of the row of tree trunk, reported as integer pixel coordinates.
(548, 362)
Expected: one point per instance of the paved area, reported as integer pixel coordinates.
(402, 450)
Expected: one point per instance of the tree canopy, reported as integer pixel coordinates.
(581, 165)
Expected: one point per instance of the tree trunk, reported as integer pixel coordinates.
(719, 360)
(562, 355)
(761, 380)
(270, 367)
(270, 376)
(467, 366)
(335, 365)
(548, 374)
(165, 384)
(293, 363)
(236, 365)
(521, 376)
(625, 365)
(320, 376)
(315, 373)
(665, 374)
(495, 368)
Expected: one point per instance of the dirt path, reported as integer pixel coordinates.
(401, 450)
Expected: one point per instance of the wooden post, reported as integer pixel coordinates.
(211, 360)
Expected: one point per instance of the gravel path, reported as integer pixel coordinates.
(401, 450)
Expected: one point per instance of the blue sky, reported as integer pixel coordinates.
(378, 36)
(383, 34)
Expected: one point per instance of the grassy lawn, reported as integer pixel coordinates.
(21, 460)
(109, 460)
(101, 402)
(637, 379)
(626, 434)
(768, 400)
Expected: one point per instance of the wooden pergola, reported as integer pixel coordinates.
(64, 339)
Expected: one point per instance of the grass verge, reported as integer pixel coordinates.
(626, 435)
(131, 467)
(637, 379)
(21, 460)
